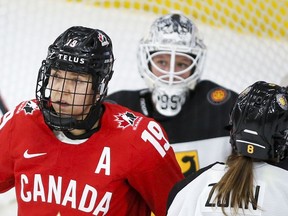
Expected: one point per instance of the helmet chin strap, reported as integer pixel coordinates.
(89, 122)
(57, 123)
(70, 123)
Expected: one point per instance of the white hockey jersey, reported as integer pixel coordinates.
(191, 195)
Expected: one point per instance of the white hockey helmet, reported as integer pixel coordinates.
(174, 35)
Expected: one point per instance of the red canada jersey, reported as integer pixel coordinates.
(127, 167)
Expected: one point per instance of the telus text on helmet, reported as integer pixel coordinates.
(70, 58)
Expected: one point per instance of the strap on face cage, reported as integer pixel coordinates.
(57, 123)
(70, 123)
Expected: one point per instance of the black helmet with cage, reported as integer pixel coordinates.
(259, 121)
(80, 50)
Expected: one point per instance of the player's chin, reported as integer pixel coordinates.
(63, 110)
(77, 114)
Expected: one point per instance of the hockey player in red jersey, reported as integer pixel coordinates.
(69, 153)
(193, 112)
(249, 183)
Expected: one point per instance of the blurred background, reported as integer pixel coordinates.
(247, 41)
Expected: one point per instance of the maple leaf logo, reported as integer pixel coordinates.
(29, 107)
(125, 119)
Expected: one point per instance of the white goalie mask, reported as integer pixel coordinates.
(170, 60)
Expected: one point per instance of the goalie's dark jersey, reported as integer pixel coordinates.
(198, 133)
(127, 167)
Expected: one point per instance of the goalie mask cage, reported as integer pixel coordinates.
(247, 40)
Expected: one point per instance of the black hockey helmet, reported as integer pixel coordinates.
(82, 50)
(259, 122)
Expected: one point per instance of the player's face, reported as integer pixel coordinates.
(164, 65)
(71, 93)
